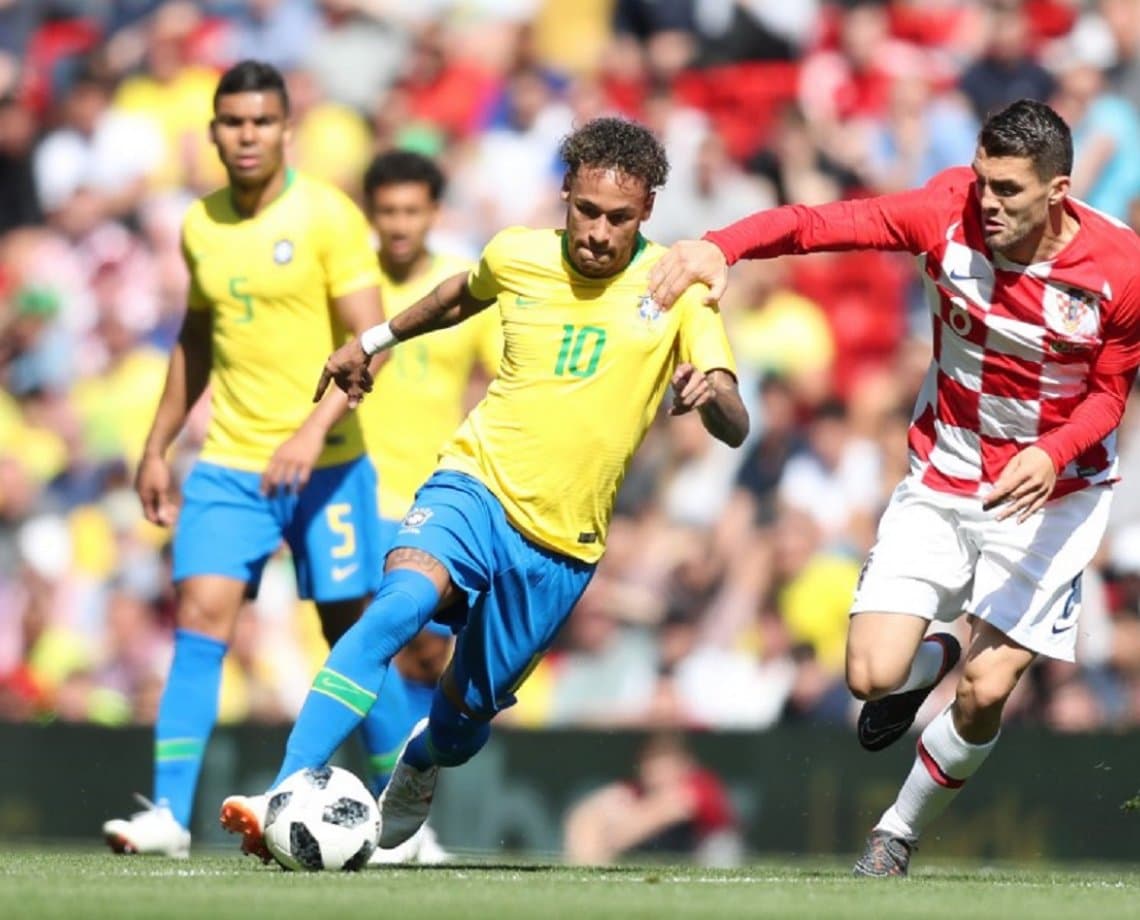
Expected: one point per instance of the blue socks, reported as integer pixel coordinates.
(388, 723)
(186, 716)
(451, 738)
(354, 674)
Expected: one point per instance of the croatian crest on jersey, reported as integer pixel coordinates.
(648, 308)
(283, 252)
(1072, 311)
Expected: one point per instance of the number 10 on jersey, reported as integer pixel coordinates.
(577, 343)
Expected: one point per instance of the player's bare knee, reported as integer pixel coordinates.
(869, 678)
(205, 620)
(981, 694)
(205, 616)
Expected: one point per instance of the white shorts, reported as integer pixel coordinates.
(938, 556)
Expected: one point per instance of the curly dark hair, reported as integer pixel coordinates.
(619, 144)
(1030, 129)
(400, 166)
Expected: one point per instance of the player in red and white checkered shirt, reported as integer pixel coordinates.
(1036, 313)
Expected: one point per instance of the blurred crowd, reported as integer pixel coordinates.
(723, 599)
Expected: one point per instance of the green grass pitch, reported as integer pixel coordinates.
(89, 885)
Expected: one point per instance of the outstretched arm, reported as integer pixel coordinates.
(906, 221)
(449, 303)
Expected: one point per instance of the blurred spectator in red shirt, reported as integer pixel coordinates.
(673, 806)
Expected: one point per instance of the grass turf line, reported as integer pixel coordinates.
(68, 884)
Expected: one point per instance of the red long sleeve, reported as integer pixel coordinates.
(911, 221)
(1092, 421)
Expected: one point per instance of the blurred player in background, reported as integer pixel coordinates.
(424, 384)
(281, 269)
(1036, 306)
(508, 529)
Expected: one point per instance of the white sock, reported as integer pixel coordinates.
(944, 762)
(926, 665)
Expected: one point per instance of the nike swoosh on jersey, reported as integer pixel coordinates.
(341, 572)
(521, 301)
(956, 276)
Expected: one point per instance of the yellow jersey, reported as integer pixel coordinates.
(417, 401)
(585, 364)
(269, 281)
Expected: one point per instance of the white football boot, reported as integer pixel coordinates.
(406, 800)
(151, 832)
(422, 847)
(245, 815)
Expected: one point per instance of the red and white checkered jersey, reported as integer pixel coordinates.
(1017, 348)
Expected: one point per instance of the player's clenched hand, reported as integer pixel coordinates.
(292, 463)
(1024, 485)
(687, 262)
(348, 368)
(691, 390)
(152, 483)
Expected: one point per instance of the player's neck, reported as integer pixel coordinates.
(251, 201)
(408, 271)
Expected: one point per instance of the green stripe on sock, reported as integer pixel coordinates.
(384, 763)
(344, 691)
(179, 749)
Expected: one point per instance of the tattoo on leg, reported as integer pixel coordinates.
(407, 557)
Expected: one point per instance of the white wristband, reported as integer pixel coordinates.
(376, 339)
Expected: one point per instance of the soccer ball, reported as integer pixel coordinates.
(322, 819)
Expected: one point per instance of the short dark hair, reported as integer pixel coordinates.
(617, 143)
(1031, 129)
(252, 77)
(397, 167)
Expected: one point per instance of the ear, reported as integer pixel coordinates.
(564, 194)
(213, 129)
(647, 211)
(1059, 190)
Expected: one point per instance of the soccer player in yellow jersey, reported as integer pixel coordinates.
(281, 270)
(424, 383)
(510, 526)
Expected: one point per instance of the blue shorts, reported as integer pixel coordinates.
(227, 527)
(518, 594)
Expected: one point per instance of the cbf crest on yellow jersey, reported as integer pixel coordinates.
(268, 281)
(418, 397)
(585, 365)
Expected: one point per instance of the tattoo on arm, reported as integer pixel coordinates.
(449, 303)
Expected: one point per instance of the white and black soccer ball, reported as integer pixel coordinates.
(322, 819)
